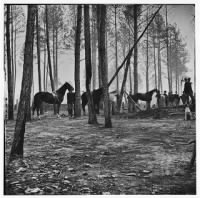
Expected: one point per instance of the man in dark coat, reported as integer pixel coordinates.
(166, 98)
(190, 87)
(188, 90)
(70, 103)
(158, 98)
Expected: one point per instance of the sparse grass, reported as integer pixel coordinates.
(136, 156)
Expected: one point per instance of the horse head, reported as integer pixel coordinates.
(68, 86)
(153, 90)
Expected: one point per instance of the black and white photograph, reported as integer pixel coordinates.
(99, 99)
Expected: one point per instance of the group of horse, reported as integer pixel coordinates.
(58, 96)
(50, 98)
(162, 100)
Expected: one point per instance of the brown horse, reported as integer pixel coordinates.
(50, 98)
(144, 96)
(96, 95)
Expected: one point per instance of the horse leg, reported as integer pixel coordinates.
(70, 109)
(187, 99)
(97, 106)
(74, 109)
(148, 105)
(95, 109)
(83, 107)
(58, 110)
(33, 110)
(38, 114)
(36, 105)
(33, 106)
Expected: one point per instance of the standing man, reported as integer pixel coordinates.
(158, 98)
(166, 98)
(191, 94)
(186, 90)
(70, 103)
(190, 87)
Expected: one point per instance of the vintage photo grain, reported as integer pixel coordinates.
(99, 99)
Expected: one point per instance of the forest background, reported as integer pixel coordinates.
(180, 16)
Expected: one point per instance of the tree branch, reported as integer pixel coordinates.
(130, 51)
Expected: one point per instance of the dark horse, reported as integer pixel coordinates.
(96, 96)
(50, 98)
(173, 99)
(144, 96)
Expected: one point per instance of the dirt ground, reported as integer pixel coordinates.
(136, 156)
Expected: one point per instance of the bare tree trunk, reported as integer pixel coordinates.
(5, 50)
(178, 84)
(161, 84)
(47, 74)
(106, 48)
(147, 71)
(9, 68)
(170, 69)
(135, 49)
(38, 54)
(49, 56)
(123, 84)
(104, 65)
(18, 141)
(77, 63)
(130, 72)
(99, 58)
(94, 46)
(56, 57)
(176, 63)
(194, 66)
(154, 58)
(92, 115)
(159, 65)
(147, 63)
(38, 50)
(116, 52)
(28, 109)
(44, 75)
(147, 56)
(12, 52)
(54, 63)
(167, 43)
(48, 51)
(15, 59)
(130, 79)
